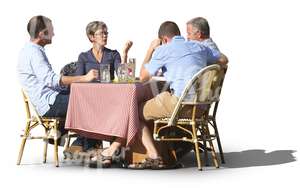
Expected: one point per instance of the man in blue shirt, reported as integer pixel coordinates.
(38, 80)
(180, 59)
(198, 30)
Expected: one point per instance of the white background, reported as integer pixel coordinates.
(258, 115)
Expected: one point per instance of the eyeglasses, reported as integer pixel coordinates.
(101, 33)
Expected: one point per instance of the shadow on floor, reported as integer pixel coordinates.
(247, 158)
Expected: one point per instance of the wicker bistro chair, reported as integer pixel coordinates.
(213, 112)
(50, 125)
(200, 92)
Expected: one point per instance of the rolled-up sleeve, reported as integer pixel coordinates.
(214, 53)
(212, 56)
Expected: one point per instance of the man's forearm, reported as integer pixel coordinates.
(154, 44)
(67, 80)
(148, 55)
(146, 59)
(144, 75)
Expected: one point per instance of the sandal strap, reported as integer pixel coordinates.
(101, 161)
(155, 163)
(104, 158)
(149, 163)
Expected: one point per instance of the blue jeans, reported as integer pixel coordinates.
(59, 109)
(86, 143)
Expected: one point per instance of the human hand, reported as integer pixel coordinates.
(155, 43)
(127, 46)
(92, 75)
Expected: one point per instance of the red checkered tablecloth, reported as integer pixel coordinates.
(98, 110)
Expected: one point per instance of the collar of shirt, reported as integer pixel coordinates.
(36, 46)
(207, 41)
(178, 38)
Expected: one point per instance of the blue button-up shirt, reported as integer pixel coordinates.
(181, 60)
(212, 46)
(37, 77)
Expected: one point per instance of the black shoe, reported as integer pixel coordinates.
(60, 141)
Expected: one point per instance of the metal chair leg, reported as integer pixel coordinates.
(196, 147)
(203, 135)
(218, 141)
(26, 133)
(56, 153)
(21, 151)
(45, 147)
(45, 151)
(56, 144)
(213, 153)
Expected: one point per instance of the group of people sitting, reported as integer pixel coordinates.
(178, 58)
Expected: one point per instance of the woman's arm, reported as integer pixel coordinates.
(126, 48)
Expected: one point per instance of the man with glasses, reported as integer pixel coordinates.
(198, 30)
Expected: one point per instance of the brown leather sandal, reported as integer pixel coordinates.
(148, 163)
(99, 160)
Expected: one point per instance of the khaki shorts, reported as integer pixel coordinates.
(163, 105)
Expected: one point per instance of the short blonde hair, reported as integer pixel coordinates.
(94, 26)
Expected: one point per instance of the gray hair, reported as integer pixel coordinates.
(200, 24)
(94, 26)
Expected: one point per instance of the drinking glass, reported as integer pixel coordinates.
(131, 69)
(104, 73)
(122, 73)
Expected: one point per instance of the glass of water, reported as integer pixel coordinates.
(104, 73)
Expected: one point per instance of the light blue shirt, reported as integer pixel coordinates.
(181, 60)
(37, 77)
(209, 43)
